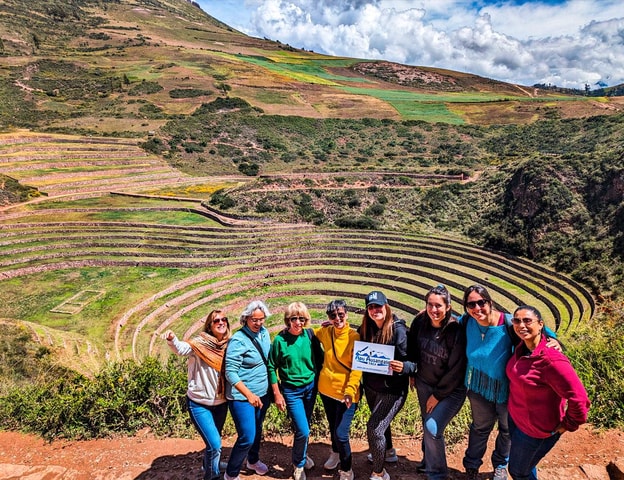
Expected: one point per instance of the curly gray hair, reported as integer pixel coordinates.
(252, 307)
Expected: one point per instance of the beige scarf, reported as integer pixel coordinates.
(211, 351)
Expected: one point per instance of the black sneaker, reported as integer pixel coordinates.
(472, 474)
(420, 466)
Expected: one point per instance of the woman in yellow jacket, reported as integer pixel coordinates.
(339, 385)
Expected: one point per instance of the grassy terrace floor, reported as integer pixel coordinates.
(161, 265)
(101, 275)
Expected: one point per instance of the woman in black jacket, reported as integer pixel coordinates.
(437, 344)
(385, 394)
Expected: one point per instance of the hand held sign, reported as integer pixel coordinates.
(372, 357)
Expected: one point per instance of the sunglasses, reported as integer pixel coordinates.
(334, 315)
(297, 319)
(256, 320)
(477, 303)
(526, 321)
(374, 306)
(220, 320)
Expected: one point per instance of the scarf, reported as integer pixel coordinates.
(211, 351)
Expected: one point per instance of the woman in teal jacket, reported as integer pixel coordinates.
(247, 388)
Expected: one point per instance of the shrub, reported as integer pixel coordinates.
(375, 209)
(307, 211)
(222, 200)
(188, 92)
(192, 147)
(597, 353)
(249, 169)
(263, 206)
(123, 398)
(222, 104)
(361, 223)
(145, 88)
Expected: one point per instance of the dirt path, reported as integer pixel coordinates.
(580, 455)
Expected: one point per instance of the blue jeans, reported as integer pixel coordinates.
(339, 418)
(484, 415)
(526, 452)
(434, 424)
(248, 422)
(209, 423)
(299, 404)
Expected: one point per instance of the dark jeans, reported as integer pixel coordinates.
(526, 452)
(485, 414)
(339, 418)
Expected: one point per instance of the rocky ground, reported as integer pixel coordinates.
(582, 455)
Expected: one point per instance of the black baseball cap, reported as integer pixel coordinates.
(376, 298)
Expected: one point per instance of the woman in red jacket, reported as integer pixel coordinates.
(546, 397)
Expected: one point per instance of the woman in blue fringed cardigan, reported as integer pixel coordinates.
(490, 342)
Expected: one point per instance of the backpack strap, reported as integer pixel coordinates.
(257, 345)
(509, 327)
(336, 356)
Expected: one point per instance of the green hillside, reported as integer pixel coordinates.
(125, 67)
(156, 164)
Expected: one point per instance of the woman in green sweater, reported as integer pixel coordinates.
(292, 374)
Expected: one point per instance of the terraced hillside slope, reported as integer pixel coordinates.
(67, 165)
(100, 274)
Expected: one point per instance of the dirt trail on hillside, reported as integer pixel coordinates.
(581, 455)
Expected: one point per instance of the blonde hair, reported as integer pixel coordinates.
(296, 309)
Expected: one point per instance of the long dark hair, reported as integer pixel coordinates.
(481, 290)
(387, 329)
(446, 296)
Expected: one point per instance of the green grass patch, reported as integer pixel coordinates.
(159, 217)
(31, 298)
(303, 70)
(200, 191)
(109, 201)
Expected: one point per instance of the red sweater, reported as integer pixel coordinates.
(541, 383)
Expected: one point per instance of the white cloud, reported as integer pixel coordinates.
(565, 43)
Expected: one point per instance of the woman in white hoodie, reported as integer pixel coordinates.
(205, 395)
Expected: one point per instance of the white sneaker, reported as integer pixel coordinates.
(227, 477)
(384, 476)
(391, 456)
(346, 475)
(309, 463)
(299, 474)
(500, 473)
(258, 467)
(332, 462)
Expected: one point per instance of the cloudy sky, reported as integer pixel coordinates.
(567, 43)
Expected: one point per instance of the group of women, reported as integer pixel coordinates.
(509, 366)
